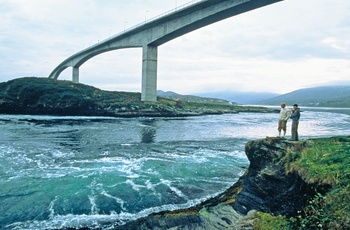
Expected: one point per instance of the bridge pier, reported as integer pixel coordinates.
(75, 74)
(149, 73)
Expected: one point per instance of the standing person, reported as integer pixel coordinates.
(295, 116)
(282, 121)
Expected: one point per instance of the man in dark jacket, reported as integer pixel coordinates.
(295, 116)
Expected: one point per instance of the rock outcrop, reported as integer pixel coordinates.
(266, 186)
(43, 96)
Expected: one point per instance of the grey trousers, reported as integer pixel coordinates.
(295, 136)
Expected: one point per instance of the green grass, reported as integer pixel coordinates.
(265, 221)
(326, 164)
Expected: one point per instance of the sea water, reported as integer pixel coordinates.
(100, 172)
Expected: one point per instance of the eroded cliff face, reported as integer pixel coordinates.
(266, 186)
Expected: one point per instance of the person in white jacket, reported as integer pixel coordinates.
(282, 121)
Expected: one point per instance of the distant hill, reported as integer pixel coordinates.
(191, 98)
(324, 96)
(245, 98)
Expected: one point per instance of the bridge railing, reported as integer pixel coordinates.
(143, 23)
(156, 17)
(170, 11)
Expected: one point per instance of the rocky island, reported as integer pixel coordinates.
(43, 96)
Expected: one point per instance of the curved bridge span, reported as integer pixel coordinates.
(158, 31)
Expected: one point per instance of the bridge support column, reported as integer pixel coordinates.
(75, 74)
(149, 73)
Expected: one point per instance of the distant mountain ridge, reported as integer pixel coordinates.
(246, 98)
(336, 96)
(323, 96)
(192, 98)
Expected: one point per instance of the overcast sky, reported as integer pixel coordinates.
(279, 48)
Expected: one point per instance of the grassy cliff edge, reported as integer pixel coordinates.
(327, 165)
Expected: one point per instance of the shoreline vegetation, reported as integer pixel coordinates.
(43, 96)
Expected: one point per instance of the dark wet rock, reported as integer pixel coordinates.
(267, 186)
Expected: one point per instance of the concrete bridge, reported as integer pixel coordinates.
(155, 32)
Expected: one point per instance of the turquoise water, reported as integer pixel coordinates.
(99, 172)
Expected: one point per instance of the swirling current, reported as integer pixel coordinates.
(100, 172)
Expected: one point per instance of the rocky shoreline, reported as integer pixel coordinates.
(42, 96)
(266, 186)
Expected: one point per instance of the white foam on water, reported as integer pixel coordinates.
(151, 186)
(174, 189)
(134, 186)
(95, 188)
(117, 199)
(99, 221)
(131, 167)
(94, 208)
(60, 154)
(240, 154)
(70, 221)
(26, 163)
(124, 167)
(51, 208)
(127, 144)
(151, 171)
